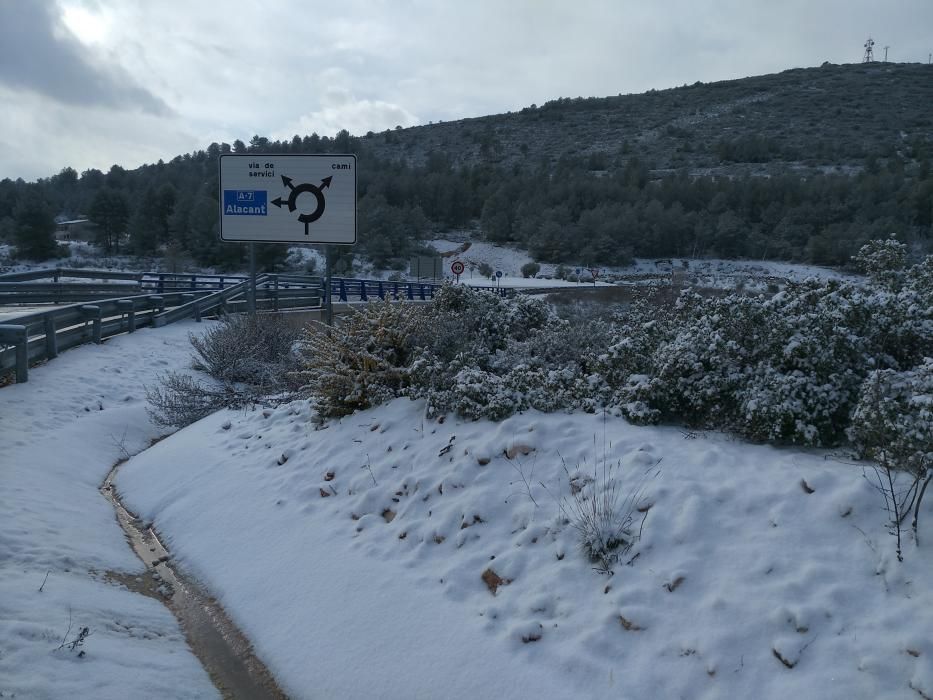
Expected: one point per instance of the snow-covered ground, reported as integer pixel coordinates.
(61, 433)
(354, 556)
(354, 559)
(704, 272)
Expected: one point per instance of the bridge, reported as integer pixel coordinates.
(78, 306)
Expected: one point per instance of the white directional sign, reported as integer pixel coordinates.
(288, 198)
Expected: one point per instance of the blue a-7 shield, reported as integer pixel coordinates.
(245, 203)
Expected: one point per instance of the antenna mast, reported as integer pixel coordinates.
(886, 53)
(869, 56)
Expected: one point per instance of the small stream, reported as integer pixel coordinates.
(223, 650)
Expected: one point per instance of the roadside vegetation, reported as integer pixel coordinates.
(818, 364)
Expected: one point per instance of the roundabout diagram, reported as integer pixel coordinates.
(305, 217)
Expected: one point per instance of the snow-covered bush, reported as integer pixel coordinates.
(919, 278)
(473, 393)
(793, 406)
(251, 348)
(530, 269)
(607, 519)
(805, 381)
(479, 316)
(893, 425)
(557, 368)
(480, 354)
(179, 400)
(784, 368)
(699, 371)
(628, 360)
(557, 389)
(893, 419)
(882, 261)
(362, 361)
(248, 358)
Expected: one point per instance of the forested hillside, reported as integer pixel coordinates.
(805, 165)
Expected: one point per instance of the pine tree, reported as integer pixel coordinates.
(34, 226)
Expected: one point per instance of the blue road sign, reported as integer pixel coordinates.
(245, 203)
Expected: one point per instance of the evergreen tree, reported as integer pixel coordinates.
(109, 211)
(34, 227)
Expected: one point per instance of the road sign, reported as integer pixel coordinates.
(457, 267)
(267, 198)
(498, 273)
(426, 267)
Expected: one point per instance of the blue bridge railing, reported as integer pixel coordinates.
(351, 289)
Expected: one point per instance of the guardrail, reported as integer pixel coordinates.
(344, 288)
(61, 293)
(24, 287)
(42, 335)
(118, 308)
(56, 273)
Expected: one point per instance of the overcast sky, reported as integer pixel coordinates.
(90, 83)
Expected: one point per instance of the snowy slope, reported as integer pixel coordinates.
(353, 558)
(61, 433)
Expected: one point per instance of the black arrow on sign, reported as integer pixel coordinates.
(287, 181)
(326, 182)
(278, 202)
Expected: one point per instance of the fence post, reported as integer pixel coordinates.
(421, 286)
(16, 335)
(51, 340)
(363, 296)
(128, 307)
(275, 294)
(343, 291)
(92, 313)
(161, 284)
(411, 292)
(381, 291)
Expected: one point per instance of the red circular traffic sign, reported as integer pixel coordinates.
(457, 267)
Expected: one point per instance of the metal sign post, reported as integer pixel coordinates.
(251, 302)
(457, 268)
(328, 288)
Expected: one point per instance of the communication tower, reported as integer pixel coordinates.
(869, 56)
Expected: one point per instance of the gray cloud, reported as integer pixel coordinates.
(36, 54)
(274, 68)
